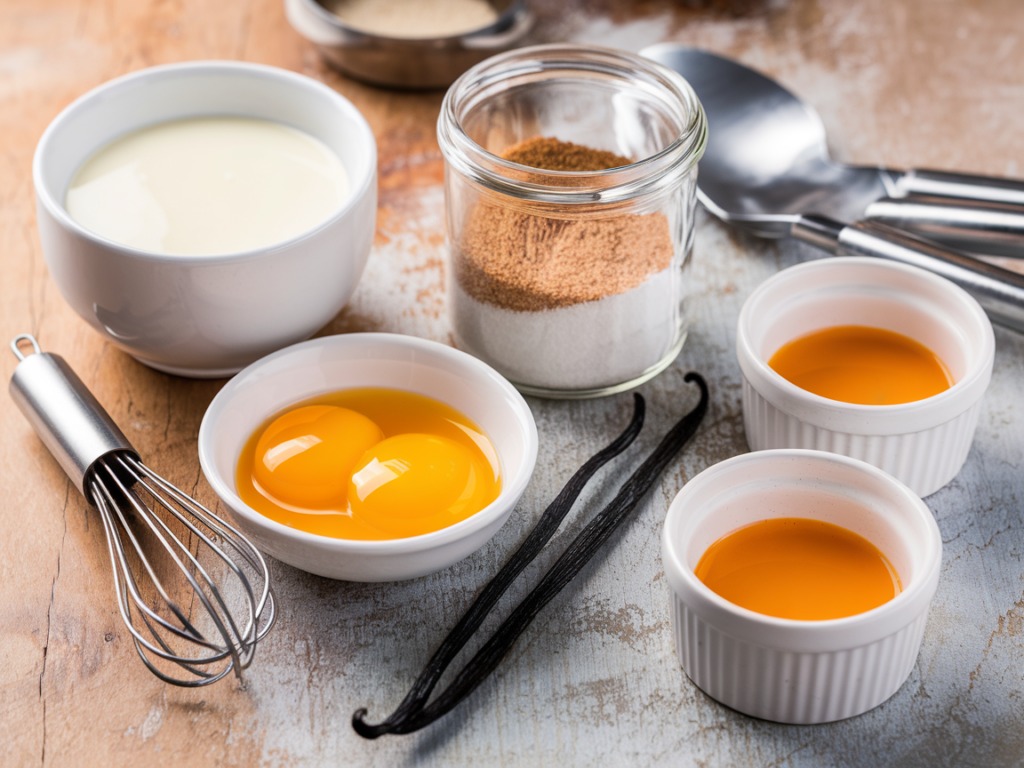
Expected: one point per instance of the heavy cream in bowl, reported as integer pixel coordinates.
(210, 314)
(208, 185)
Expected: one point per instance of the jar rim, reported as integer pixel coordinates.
(617, 184)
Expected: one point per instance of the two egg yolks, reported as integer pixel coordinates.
(799, 568)
(860, 364)
(369, 464)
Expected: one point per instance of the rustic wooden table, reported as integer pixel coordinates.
(594, 680)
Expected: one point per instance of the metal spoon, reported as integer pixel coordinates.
(767, 161)
(766, 168)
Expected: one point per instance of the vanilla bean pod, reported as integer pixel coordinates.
(583, 547)
(496, 587)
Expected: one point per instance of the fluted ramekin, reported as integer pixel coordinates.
(786, 670)
(924, 443)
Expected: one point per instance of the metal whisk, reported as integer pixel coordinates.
(216, 627)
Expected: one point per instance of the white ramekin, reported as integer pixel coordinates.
(925, 443)
(206, 316)
(781, 669)
(369, 360)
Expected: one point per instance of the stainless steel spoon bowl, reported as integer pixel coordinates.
(767, 169)
(767, 162)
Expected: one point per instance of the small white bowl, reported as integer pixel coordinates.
(369, 360)
(924, 443)
(206, 316)
(782, 669)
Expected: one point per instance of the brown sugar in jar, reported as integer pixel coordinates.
(529, 263)
(522, 277)
(566, 269)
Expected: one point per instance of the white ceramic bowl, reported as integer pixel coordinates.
(206, 316)
(782, 669)
(369, 360)
(925, 443)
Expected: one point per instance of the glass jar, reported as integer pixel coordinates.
(570, 283)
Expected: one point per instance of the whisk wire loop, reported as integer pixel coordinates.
(126, 591)
(235, 641)
(156, 525)
(141, 512)
(252, 633)
(228, 534)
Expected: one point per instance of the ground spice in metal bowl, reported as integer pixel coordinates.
(528, 263)
(414, 19)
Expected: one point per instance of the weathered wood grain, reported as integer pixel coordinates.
(595, 680)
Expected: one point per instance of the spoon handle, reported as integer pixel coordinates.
(999, 291)
(995, 189)
(975, 226)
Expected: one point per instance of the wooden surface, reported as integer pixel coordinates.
(594, 681)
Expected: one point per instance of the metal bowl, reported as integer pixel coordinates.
(422, 63)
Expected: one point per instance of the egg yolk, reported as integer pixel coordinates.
(306, 456)
(415, 483)
(368, 464)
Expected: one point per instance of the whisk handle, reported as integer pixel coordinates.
(64, 413)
